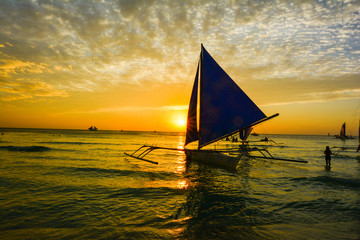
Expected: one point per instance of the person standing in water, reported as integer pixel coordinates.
(327, 153)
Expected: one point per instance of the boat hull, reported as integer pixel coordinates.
(213, 157)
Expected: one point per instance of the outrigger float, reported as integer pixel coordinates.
(224, 110)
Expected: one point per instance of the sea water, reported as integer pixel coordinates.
(74, 184)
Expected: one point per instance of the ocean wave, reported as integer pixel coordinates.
(119, 172)
(343, 156)
(347, 182)
(71, 143)
(149, 192)
(26, 148)
(78, 143)
(333, 181)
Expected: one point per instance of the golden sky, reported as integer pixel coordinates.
(130, 64)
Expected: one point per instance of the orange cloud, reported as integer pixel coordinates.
(25, 89)
(8, 67)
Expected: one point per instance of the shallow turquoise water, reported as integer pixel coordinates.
(72, 184)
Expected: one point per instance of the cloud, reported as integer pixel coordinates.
(289, 90)
(128, 109)
(10, 67)
(137, 108)
(341, 94)
(89, 45)
(321, 97)
(23, 89)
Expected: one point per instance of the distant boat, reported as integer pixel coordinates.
(343, 135)
(93, 128)
(343, 132)
(224, 110)
(254, 134)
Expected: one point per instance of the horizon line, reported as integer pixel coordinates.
(154, 131)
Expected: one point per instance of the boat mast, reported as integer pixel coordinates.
(200, 92)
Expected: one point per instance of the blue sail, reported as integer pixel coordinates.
(224, 107)
(191, 128)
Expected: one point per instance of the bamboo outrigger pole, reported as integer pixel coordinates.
(149, 149)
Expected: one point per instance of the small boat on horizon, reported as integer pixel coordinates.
(93, 128)
(342, 134)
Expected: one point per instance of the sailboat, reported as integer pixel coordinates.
(343, 135)
(224, 110)
(92, 128)
(343, 132)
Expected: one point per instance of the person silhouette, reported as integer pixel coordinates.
(327, 153)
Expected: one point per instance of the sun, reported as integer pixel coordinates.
(180, 122)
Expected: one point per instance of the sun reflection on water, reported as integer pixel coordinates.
(180, 162)
(182, 184)
(180, 168)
